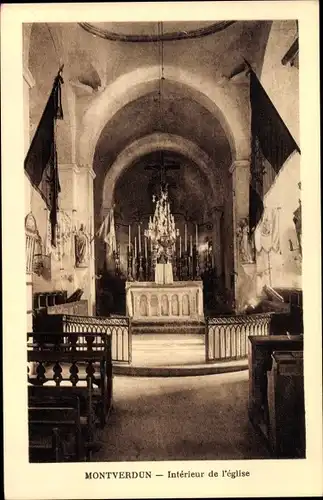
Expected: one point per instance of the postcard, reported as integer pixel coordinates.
(161, 250)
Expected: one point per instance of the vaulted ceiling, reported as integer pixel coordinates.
(93, 60)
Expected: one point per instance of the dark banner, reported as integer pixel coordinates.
(41, 160)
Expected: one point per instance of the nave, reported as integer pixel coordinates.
(180, 418)
(169, 248)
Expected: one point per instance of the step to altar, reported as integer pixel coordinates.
(167, 327)
(189, 370)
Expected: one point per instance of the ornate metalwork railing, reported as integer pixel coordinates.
(226, 337)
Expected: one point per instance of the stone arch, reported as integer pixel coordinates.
(218, 99)
(143, 305)
(175, 305)
(155, 142)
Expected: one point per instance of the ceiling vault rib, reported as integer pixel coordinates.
(167, 37)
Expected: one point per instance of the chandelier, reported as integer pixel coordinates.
(161, 227)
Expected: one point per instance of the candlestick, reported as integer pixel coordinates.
(139, 239)
(135, 247)
(129, 238)
(180, 247)
(191, 245)
(196, 236)
(146, 250)
(185, 238)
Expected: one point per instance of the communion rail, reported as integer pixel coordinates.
(226, 337)
(118, 328)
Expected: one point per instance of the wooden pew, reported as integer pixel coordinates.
(52, 420)
(260, 363)
(85, 373)
(286, 405)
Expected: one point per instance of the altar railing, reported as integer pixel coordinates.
(119, 328)
(226, 337)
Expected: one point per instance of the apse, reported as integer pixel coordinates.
(177, 112)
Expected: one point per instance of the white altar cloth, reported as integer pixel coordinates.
(164, 274)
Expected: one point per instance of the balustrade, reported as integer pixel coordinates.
(226, 338)
(118, 329)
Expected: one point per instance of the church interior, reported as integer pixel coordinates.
(163, 255)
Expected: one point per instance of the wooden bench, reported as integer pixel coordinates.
(52, 420)
(85, 373)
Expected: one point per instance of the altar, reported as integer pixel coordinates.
(179, 301)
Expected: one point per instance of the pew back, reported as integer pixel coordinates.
(286, 405)
(260, 357)
(53, 419)
(59, 362)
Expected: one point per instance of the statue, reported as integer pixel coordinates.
(81, 247)
(297, 219)
(245, 248)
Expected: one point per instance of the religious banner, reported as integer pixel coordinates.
(107, 233)
(266, 235)
(41, 160)
(271, 146)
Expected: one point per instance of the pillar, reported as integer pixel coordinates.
(217, 243)
(76, 201)
(84, 214)
(244, 273)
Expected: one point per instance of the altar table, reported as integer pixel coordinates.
(176, 302)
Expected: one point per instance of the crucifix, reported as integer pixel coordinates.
(163, 167)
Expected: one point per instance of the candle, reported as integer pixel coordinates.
(196, 237)
(146, 251)
(191, 245)
(129, 237)
(180, 246)
(139, 239)
(135, 247)
(185, 238)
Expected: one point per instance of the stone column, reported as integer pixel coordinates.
(240, 171)
(217, 244)
(64, 270)
(85, 215)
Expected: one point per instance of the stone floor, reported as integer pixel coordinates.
(189, 418)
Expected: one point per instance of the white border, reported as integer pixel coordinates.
(268, 478)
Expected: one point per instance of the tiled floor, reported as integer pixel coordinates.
(188, 418)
